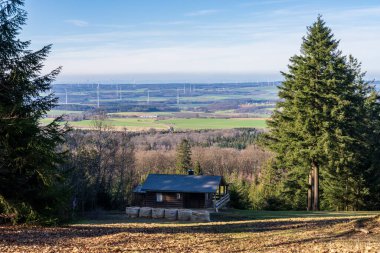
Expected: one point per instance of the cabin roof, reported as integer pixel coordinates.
(137, 189)
(181, 183)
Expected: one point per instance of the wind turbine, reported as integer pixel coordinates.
(66, 95)
(177, 96)
(97, 93)
(119, 91)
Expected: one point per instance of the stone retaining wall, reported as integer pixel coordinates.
(169, 214)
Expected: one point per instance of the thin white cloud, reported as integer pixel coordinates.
(113, 26)
(266, 2)
(169, 23)
(120, 37)
(262, 44)
(202, 12)
(260, 57)
(360, 12)
(77, 22)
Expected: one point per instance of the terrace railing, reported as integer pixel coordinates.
(222, 201)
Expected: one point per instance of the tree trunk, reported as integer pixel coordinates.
(310, 192)
(316, 187)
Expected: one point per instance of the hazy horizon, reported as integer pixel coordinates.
(196, 41)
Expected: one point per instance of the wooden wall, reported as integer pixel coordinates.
(194, 200)
(138, 199)
(209, 200)
(169, 200)
(188, 200)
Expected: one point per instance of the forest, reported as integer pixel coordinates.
(107, 165)
(321, 150)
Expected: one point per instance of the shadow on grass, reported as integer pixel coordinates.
(234, 214)
(19, 235)
(327, 238)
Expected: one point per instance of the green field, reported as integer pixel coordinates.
(130, 114)
(61, 112)
(136, 124)
(211, 123)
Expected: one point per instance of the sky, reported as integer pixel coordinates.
(157, 41)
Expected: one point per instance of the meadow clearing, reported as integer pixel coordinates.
(143, 124)
(230, 231)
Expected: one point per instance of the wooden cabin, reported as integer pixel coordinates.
(182, 191)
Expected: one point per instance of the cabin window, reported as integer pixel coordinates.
(178, 195)
(159, 197)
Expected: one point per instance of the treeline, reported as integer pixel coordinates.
(229, 162)
(106, 165)
(101, 166)
(233, 138)
(324, 141)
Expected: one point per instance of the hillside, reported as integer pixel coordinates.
(288, 232)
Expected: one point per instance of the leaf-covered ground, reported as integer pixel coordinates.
(316, 234)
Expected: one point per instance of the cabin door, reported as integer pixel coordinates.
(194, 200)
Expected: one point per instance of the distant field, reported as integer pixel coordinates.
(210, 123)
(265, 232)
(61, 112)
(137, 124)
(165, 96)
(134, 124)
(141, 113)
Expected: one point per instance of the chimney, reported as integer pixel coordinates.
(190, 172)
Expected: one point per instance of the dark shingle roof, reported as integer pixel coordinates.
(137, 189)
(181, 183)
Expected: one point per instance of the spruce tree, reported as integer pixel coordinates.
(319, 127)
(372, 172)
(28, 156)
(183, 157)
(198, 168)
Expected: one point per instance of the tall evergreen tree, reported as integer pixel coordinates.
(28, 157)
(319, 129)
(183, 157)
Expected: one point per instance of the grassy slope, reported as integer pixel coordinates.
(116, 233)
(235, 214)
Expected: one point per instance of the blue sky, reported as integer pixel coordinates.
(192, 40)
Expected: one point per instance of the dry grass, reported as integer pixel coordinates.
(331, 234)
